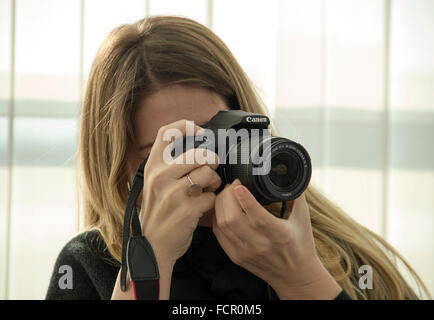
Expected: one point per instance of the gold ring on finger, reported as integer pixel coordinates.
(194, 189)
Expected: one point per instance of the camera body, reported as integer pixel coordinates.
(273, 168)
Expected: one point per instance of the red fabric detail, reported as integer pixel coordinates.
(134, 288)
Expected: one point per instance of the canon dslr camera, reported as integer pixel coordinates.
(274, 169)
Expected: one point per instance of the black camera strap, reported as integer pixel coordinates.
(137, 254)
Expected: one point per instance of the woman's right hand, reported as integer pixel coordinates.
(168, 215)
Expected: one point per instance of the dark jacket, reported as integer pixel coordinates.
(203, 272)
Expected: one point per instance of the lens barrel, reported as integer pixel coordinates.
(278, 169)
(273, 168)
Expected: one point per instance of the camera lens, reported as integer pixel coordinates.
(285, 169)
(278, 169)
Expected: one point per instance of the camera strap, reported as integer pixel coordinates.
(137, 254)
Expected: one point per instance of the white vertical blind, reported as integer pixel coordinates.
(251, 36)
(100, 17)
(354, 89)
(410, 223)
(43, 202)
(194, 9)
(351, 80)
(5, 91)
(300, 76)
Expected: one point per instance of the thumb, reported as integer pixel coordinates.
(300, 212)
(253, 209)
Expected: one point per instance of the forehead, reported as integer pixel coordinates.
(174, 103)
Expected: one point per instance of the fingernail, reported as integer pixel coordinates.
(200, 132)
(239, 191)
(236, 182)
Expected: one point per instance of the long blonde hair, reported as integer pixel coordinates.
(135, 60)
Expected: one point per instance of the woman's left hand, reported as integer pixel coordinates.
(279, 251)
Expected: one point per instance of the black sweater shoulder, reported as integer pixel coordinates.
(83, 270)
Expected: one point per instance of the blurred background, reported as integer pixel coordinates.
(352, 80)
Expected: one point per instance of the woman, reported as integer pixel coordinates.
(152, 76)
